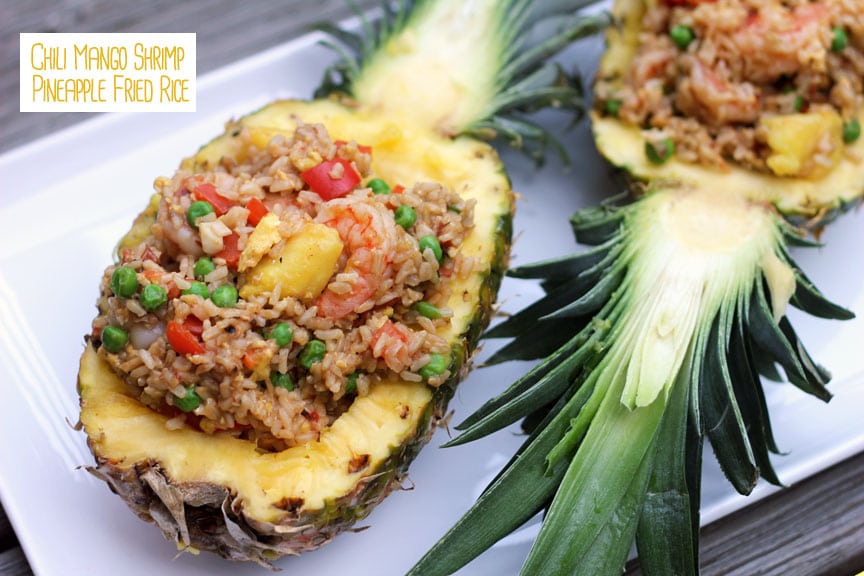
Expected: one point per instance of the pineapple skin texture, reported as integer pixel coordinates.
(213, 516)
(216, 493)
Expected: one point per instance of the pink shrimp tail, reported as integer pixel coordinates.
(333, 305)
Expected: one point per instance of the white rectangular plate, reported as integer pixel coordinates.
(66, 199)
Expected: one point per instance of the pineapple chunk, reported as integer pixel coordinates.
(303, 268)
(806, 145)
(262, 239)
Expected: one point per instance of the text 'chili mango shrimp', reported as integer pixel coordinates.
(369, 235)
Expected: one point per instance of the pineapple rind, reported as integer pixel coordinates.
(803, 200)
(194, 509)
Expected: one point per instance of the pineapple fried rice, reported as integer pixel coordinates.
(271, 292)
(718, 81)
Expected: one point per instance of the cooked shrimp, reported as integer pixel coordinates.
(396, 344)
(369, 235)
(653, 64)
(707, 95)
(776, 41)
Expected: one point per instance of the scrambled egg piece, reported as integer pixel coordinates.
(262, 239)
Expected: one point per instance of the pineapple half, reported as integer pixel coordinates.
(652, 341)
(425, 76)
(803, 200)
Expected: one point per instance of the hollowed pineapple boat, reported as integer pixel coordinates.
(737, 124)
(431, 75)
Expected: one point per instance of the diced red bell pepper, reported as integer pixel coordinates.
(398, 189)
(230, 253)
(194, 325)
(208, 192)
(322, 183)
(182, 340)
(257, 211)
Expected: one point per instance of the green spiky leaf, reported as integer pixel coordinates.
(665, 534)
(662, 325)
(516, 495)
(721, 415)
(504, 76)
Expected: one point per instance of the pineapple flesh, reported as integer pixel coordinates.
(654, 340)
(219, 493)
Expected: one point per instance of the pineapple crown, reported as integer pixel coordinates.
(600, 454)
(516, 78)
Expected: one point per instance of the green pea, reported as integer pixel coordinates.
(224, 296)
(430, 242)
(203, 267)
(839, 40)
(313, 352)
(198, 210)
(682, 36)
(851, 131)
(198, 289)
(114, 338)
(351, 385)
(659, 152)
(189, 401)
(280, 380)
(799, 103)
(282, 333)
(378, 186)
(405, 216)
(613, 107)
(426, 309)
(124, 282)
(436, 366)
(153, 296)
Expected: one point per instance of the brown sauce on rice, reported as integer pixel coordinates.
(356, 292)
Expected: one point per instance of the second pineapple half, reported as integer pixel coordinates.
(737, 124)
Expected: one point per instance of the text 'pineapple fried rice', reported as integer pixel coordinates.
(732, 80)
(275, 289)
